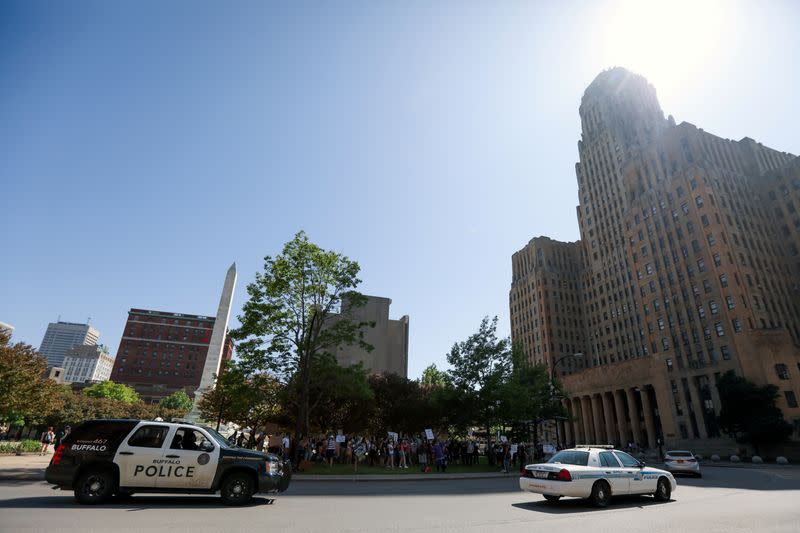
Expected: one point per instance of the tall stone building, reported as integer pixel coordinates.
(688, 266)
(162, 352)
(388, 338)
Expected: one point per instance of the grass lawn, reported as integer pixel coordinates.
(364, 468)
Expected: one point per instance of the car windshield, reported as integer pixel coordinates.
(222, 441)
(571, 457)
(679, 454)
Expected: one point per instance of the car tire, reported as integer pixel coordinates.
(601, 494)
(663, 490)
(94, 487)
(551, 497)
(237, 489)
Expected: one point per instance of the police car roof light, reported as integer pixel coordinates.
(604, 446)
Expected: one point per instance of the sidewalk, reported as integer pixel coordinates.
(29, 467)
(402, 477)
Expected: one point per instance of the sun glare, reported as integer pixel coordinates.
(668, 42)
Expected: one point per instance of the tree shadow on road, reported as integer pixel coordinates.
(578, 505)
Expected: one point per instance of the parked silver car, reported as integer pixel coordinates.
(682, 462)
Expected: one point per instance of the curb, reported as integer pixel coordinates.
(404, 477)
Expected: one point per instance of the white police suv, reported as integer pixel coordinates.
(597, 473)
(104, 458)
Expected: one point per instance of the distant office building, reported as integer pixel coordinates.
(389, 339)
(6, 329)
(60, 337)
(87, 363)
(161, 352)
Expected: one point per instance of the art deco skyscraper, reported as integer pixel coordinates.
(688, 266)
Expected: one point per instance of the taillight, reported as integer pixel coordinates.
(56, 460)
(563, 475)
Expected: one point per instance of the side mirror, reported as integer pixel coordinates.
(642, 464)
(206, 446)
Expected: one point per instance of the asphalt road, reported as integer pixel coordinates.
(725, 500)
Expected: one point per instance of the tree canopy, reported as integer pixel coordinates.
(114, 391)
(749, 413)
(294, 316)
(25, 394)
(178, 401)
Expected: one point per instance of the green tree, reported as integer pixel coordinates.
(291, 320)
(433, 377)
(749, 413)
(114, 391)
(25, 395)
(178, 401)
(529, 396)
(479, 367)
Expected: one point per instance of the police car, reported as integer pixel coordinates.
(597, 473)
(104, 458)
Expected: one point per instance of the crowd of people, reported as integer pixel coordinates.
(393, 452)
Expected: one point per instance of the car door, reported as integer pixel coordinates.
(631, 465)
(617, 477)
(139, 455)
(190, 461)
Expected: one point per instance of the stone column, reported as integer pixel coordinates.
(608, 413)
(633, 410)
(578, 424)
(697, 407)
(665, 405)
(567, 433)
(622, 424)
(586, 413)
(597, 411)
(649, 420)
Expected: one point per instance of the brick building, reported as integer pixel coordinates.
(688, 267)
(162, 352)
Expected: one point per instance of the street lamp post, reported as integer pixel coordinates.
(578, 355)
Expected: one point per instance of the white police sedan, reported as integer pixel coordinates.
(596, 473)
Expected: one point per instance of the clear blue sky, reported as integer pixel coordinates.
(147, 145)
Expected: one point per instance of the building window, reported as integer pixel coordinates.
(706, 286)
(729, 300)
(737, 326)
(720, 330)
(701, 311)
(669, 365)
(791, 400)
(701, 265)
(711, 240)
(712, 305)
(726, 353)
(698, 201)
(723, 280)
(717, 260)
(782, 371)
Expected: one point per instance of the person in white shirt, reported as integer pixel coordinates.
(285, 445)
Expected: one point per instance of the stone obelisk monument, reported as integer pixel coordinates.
(217, 343)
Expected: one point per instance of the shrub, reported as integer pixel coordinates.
(27, 445)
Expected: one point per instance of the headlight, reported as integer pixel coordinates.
(274, 468)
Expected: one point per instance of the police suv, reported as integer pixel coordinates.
(104, 458)
(596, 472)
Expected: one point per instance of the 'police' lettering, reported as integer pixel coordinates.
(159, 471)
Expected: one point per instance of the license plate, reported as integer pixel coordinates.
(540, 475)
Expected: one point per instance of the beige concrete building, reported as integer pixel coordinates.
(389, 339)
(688, 267)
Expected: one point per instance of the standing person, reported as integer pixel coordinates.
(506, 453)
(438, 457)
(47, 439)
(403, 453)
(470, 452)
(330, 451)
(63, 434)
(285, 445)
(390, 454)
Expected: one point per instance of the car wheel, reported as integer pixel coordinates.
(551, 497)
(95, 486)
(663, 490)
(237, 489)
(601, 494)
